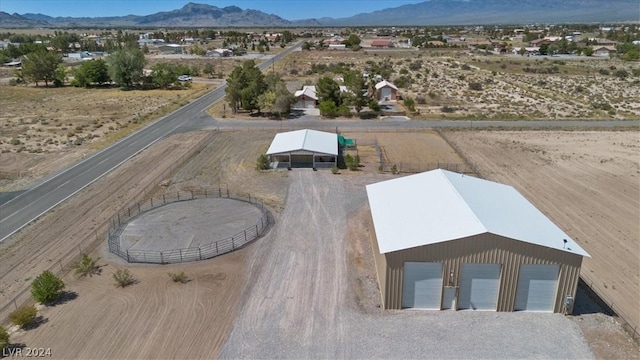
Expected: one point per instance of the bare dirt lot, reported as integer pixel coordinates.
(46, 129)
(305, 290)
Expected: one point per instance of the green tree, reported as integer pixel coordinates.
(306, 46)
(328, 89)
(588, 51)
(410, 103)
(46, 288)
(263, 162)
(41, 65)
(356, 85)
(353, 41)
(125, 66)
(24, 316)
(4, 338)
(245, 84)
(60, 76)
(208, 70)
(91, 72)
(328, 108)
(164, 75)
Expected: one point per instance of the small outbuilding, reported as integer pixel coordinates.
(386, 91)
(306, 98)
(304, 149)
(444, 240)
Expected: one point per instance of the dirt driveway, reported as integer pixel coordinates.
(309, 288)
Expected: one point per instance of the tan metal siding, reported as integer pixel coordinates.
(380, 261)
(484, 248)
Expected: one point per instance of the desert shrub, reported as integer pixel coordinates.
(603, 72)
(335, 170)
(344, 111)
(404, 71)
(602, 105)
(465, 67)
(461, 77)
(15, 141)
(46, 288)
(123, 278)
(394, 169)
(180, 277)
(263, 162)
(410, 103)
(432, 94)
(635, 72)
(86, 266)
(622, 74)
(448, 109)
(23, 316)
(293, 71)
(475, 86)
(421, 100)
(579, 88)
(328, 108)
(416, 65)
(403, 81)
(4, 338)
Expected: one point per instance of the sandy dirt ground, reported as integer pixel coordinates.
(305, 290)
(153, 319)
(586, 182)
(189, 224)
(45, 130)
(65, 229)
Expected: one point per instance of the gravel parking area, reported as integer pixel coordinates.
(311, 294)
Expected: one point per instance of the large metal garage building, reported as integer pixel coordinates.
(443, 240)
(304, 148)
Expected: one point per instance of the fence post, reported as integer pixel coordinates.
(138, 208)
(217, 252)
(119, 219)
(128, 260)
(161, 258)
(180, 255)
(219, 192)
(261, 223)
(14, 304)
(60, 263)
(178, 195)
(233, 244)
(128, 212)
(191, 194)
(199, 253)
(257, 229)
(205, 193)
(152, 202)
(245, 236)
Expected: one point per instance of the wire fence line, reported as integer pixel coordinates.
(206, 251)
(90, 242)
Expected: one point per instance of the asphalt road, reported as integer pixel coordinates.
(33, 203)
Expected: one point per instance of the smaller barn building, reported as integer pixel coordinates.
(306, 98)
(386, 91)
(444, 240)
(304, 149)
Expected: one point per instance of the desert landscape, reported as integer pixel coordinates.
(308, 287)
(229, 284)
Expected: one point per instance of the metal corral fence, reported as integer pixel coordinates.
(91, 241)
(214, 248)
(403, 167)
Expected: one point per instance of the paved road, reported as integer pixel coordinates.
(28, 206)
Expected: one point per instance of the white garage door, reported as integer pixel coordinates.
(479, 286)
(422, 285)
(385, 94)
(537, 286)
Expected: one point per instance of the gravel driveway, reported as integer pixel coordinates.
(299, 300)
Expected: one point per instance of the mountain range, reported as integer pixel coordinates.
(430, 12)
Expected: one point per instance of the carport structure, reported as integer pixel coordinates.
(444, 240)
(304, 149)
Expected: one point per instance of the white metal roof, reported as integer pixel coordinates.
(308, 140)
(309, 91)
(384, 83)
(438, 206)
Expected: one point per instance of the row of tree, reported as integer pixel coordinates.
(124, 67)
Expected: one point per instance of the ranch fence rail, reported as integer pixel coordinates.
(171, 256)
(91, 240)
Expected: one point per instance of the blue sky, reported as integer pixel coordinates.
(288, 9)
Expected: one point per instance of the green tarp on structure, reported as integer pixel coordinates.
(345, 142)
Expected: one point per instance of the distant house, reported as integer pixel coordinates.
(337, 47)
(306, 98)
(170, 49)
(381, 43)
(603, 50)
(386, 91)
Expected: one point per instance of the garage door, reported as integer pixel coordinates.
(385, 94)
(479, 286)
(537, 286)
(422, 285)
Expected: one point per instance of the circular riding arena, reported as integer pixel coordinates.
(196, 228)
